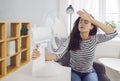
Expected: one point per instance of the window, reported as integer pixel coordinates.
(103, 10)
(113, 12)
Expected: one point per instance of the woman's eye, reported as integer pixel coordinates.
(80, 22)
(86, 22)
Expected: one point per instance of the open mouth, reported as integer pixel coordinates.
(82, 27)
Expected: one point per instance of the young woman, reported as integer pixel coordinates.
(81, 46)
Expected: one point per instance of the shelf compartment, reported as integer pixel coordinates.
(11, 38)
(25, 49)
(24, 36)
(13, 63)
(25, 56)
(25, 27)
(1, 59)
(14, 29)
(25, 43)
(2, 31)
(1, 41)
(8, 56)
(2, 49)
(13, 47)
(2, 68)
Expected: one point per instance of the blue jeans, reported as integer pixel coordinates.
(89, 76)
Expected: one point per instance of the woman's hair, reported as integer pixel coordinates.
(75, 37)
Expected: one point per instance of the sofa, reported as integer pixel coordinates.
(99, 67)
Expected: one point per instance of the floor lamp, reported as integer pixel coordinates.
(70, 11)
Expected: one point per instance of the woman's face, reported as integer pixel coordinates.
(84, 26)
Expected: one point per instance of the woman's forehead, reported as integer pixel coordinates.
(83, 19)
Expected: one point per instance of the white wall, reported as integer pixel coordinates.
(34, 11)
(63, 4)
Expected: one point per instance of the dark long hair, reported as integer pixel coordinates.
(75, 37)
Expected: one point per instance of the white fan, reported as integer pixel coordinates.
(40, 67)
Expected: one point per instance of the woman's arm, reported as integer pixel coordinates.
(103, 27)
(87, 16)
(55, 55)
(48, 57)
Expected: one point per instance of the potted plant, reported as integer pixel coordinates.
(111, 23)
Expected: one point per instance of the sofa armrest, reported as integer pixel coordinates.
(100, 70)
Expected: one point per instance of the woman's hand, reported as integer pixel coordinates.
(35, 54)
(85, 15)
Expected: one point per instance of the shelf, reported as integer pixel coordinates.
(13, 63)
(25, 56)
(11, 38)
(2, 69)
(14, 29)
(24, 49)
(1, 41)
(25, 42)
(1, 76)
(23, 36)
(11, 69)
(2, 50)
(8, 56)
(14, 47)
(2, 30)
(1, 59)
(23, 62)
(25, 28)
